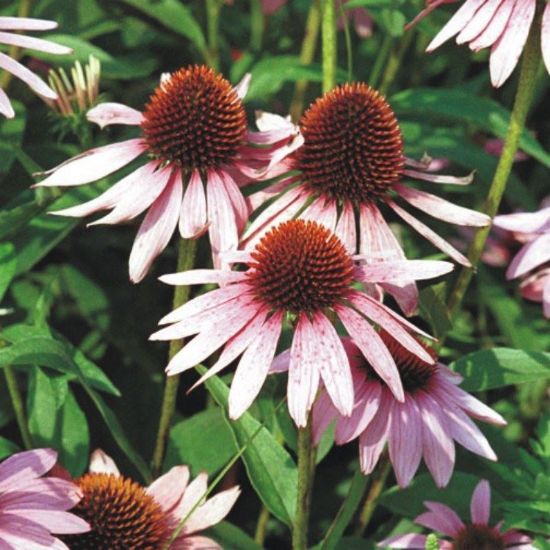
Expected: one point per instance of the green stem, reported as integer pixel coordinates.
(346, 512)
(213, 8)
(186, 258)
(306, 470)
(379, 477)
(330, 45)
(380, 61)
(257, 25)
(394, 62)
(261, 526)
(18, 406)
(307, 53)
(522, 103)
(15, 51)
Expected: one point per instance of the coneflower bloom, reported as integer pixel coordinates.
(434, 414)
(34, 509)
(502, 25)
(476, 535)
(533, 259)
(301, 272)
(350, 163)
(12, 38)
(193, 133)
(123, 514)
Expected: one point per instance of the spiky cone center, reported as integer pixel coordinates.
(415, 373)
(122, 516)
(353, 147)
(300, 266)
(195, 119)
(479, 537)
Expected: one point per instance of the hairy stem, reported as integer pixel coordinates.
(18, 406)
(330, 45)
(261, 526)
(257, 25)
(213, 8)
(186, 258)
(394, 62)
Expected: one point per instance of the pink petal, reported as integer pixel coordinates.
(373, 348)
(333, 364)
(533, 254)
(237, 200)
(46, 493)
(495, 28)
(524, 222)
(459, 20)
(5, 105)
(442, 209)
(405, 440)
(401, 271)
(439, 178)
(105, 114)
(373, 439)
(480, 505)
(303, 372)
(281, 363)
(26, 24)
(58, 522)
(345, 228)
(506, 51)
(24, 534)
(94, 164)
(193, 495)
(479, 22)
(545, 36)
(322, 212)
(430, 235)
(33, 43)
(322, 415)
(156, 229)
(204, 276)
(102, 463)
(253, 366)
(169, 488)
(28, 77)
(271, 6)
(26, 465)
(241, 88)
(408, 540)
(445, 519)
(212, 511)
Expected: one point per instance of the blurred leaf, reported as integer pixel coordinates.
(230, 537)
(7, 447)
(7, 266)
(11, 136)
(434, 308)
(204, 442)
(74, 437)
(270, 468)
(497, 367)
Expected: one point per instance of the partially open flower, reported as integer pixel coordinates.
(123, 514)
(351, 162)
(434, 414)
(14, 67)
(199, 152)
(34, 508)
(476, 535)
(301, 272)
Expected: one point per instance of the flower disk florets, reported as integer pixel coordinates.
(122, 516)
(353, 148)
(479, 537)
(300, 266)
(195, 119)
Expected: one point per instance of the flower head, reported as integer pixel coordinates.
(533, 260)
(476, 535)
(434, 414)
(10, 24)
(199, 153)
(300, 272)
(33, 509)
(123, 514)
(351, 161)
(501, 26)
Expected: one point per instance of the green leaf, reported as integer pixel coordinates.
(213, 444)
(270, 468)
(8, 265)
(74, 436)
(174, 16)
(230, 537)
(434, 309)
(11, 136)
(481, 112)
(498, 367)
(7, 447)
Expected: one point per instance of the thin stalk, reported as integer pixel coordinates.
(18, 406)
(186, 258)
(381, 60)
(379, 477)
(306, 469)
(330, 45)
(261, 526)
(522, 103)
(307, 54)
(15, 51)
(394, 62)
(257, 25)
(213, 8)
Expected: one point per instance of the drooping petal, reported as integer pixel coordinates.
(373, 439)
(531, 255)
(57, 521)
(495, 28)
(27, 76)
(240, 208)
(105, 114)
(102, 463)
(26, 465)
(479, 22)
(26, 24)
(408, 540)
(480, 505)
(32, 43)
(94, 164)
(212, 511)
(524, 222)
(322, 415)
(242, 87)
(445, 519)
(401, 271)
(204, 276)
(345, 228)
(253, 366)
(5, 105)
(169, 488)
(545, 36)
(156, 229)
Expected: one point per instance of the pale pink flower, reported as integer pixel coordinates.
(350, 161)
(17, 69)
(198, 152)
(434, 414)
(532, 261)
(33, 509)
(123, 514)
(502, 25)
(301, 272)
(477, 534)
